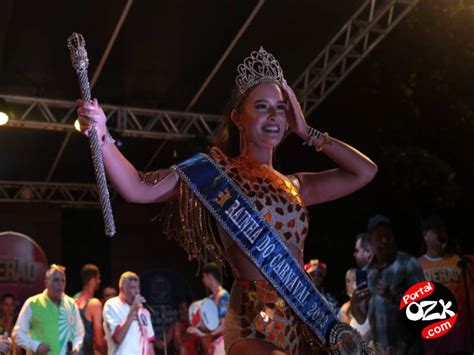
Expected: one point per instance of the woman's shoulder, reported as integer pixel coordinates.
(216, 153)
(219, 156)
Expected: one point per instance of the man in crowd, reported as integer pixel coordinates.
(50, 322)
(127, 323)
(390, 274)
(442, 265)
(212, 280)
(8, 319)
(107, 293)
(90, 309)
(363, 251)
(178, 340)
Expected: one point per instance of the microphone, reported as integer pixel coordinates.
(148, 308)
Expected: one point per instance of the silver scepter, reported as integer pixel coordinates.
(80, 63)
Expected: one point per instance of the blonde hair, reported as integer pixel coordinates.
(352, 270)
(53, 268)
(126, 277)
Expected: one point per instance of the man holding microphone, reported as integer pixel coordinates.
(127, 323)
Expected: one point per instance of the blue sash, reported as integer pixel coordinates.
(246, 226)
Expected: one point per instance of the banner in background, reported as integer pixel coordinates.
(22, 266)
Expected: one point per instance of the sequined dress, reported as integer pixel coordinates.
(255, 311)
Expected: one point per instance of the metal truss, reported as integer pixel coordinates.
(59, 115)
(355, 40)
(366, 28)
(66, 194)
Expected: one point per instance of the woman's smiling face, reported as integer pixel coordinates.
(262, 116)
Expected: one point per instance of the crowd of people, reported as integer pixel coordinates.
(373, 307)
(54, 323)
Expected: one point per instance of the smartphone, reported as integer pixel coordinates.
(361, 277)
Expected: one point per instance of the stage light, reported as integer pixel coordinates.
(77, 125)
(3, 118)
(3, 112)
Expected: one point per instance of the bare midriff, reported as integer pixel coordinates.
(245, 267)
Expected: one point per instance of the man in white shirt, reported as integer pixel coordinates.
(49, 323)
(127, 323)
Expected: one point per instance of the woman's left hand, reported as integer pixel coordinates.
(295, 115)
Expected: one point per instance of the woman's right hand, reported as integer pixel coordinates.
(360, 294)
(90, 114)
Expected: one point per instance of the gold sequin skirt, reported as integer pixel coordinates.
(257, 312)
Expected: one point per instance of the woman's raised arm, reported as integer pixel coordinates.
(354, 170)
(131, 184)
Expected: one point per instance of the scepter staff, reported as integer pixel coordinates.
(80, 63)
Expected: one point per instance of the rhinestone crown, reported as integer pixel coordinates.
(257, 68)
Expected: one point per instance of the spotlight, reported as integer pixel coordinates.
(77, 125)
(3, 112)
(3, 118)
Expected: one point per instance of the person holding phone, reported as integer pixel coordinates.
(356, 286)
(363, 255)
(390, 273)
(345, 315)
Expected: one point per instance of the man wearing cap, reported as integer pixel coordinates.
(390, 273)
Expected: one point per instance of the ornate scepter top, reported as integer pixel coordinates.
(77, 49)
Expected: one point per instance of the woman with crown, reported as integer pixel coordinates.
(263, 108)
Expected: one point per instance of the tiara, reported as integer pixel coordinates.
(259, 67)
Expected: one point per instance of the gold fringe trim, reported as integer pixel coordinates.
(187, 221)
